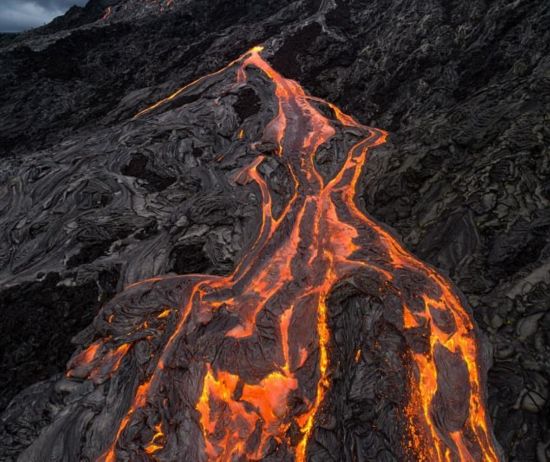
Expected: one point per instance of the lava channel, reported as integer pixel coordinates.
(245, 363)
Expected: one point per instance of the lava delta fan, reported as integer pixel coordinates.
(328, 340)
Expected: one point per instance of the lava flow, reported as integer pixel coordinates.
(243, 370)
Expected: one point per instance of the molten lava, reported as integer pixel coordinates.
(246, 404)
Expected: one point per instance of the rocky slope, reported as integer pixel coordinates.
(463, 88)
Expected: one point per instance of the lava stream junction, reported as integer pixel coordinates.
(245, 366)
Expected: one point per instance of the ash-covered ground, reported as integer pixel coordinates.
(462, 87)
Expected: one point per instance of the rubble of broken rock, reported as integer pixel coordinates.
(464, 90)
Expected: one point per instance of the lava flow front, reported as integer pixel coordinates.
(243, 367)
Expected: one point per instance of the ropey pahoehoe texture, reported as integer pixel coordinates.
(94, 201)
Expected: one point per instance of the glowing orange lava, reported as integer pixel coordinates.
(320, 237)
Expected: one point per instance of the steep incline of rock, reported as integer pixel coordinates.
(462, 88)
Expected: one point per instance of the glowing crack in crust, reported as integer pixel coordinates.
(318, 239)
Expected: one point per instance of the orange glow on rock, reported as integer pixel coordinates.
(317, 240)
(164, 314)
(155, 444)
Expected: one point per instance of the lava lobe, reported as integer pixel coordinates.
(325, 319)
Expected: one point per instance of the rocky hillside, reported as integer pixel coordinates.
(462, 87)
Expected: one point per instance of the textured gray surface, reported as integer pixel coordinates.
(463, 89)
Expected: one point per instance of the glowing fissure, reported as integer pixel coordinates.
(319, 238)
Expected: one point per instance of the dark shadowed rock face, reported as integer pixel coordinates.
(92, 202)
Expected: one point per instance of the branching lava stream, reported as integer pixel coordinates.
(247, 405)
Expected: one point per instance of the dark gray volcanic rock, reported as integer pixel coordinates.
(91, 204)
